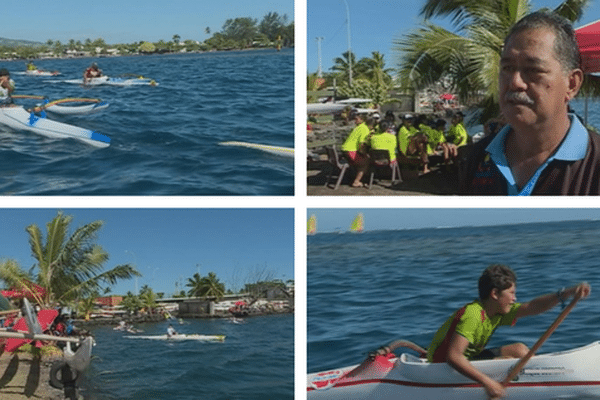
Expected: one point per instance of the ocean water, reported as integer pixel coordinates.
(164, 139)
(256, 361)
(366, 290)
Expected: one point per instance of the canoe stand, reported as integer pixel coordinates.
(75, 362)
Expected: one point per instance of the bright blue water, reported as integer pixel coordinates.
(366, 290)
(164, 139)
(256, 361)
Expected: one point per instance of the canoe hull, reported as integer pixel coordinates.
(105, 80)
(569, 374)
(182, 337)
(77, 110)
(19, 119)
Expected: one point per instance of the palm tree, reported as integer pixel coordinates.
(148, 298)
(469, 58)
(195, 283)
(68, 267)
(131, 303)
(342, 65)
(211, 287)
(208, 286)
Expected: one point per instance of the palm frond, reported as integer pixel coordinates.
(572, 9)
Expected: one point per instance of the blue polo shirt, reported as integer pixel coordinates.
(572, 148)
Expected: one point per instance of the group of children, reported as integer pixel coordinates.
(415, 137)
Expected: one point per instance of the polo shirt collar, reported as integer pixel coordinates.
(572, 148)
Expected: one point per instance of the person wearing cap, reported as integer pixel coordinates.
(457, 134)
(354, 147)
(543, 149)
(411, 142)
(91, 72)
(384, 138)
(7, 86)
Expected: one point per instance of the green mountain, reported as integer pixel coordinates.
(18, 43)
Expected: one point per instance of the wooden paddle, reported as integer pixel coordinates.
(517, 368)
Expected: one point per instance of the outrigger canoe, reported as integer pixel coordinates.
(571, 374)
(19, 119)
(105, 80)
(77, 110)
(277, 150)
(39, 72)
(178, 337)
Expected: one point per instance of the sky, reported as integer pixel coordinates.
(375, 24)
(128, 21)
(168, 246)
(331, 220)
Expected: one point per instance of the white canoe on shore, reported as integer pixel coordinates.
(572, 374)
(181, 336)
(19, 119)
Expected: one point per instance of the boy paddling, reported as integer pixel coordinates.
(463, 336)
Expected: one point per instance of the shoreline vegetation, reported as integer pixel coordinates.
(273, 31)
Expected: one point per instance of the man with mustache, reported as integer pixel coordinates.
(543, 150)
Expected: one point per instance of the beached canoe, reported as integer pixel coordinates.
(568, 374)
(181, 337)
(19, 119)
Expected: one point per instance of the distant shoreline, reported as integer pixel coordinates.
(74, 57)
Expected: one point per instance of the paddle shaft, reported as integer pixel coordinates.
(514, 372)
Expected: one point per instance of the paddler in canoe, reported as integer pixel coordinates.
(171, 331)
(7, 86)
(31, 66)
(91, 72)
(463, 336)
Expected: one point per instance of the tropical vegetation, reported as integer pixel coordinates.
(69, 272)
(69, 266)
(370, 78)
(469, 56)
(207, 287)
(273, 30)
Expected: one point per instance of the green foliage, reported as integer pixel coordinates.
(237, 33)
(68, 266)
(147, 47)
(208, 286)
(470, 55)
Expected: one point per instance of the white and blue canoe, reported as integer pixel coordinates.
(19, 119)
(115, 81)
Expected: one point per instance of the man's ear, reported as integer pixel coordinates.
(495, 293)
(575, 82)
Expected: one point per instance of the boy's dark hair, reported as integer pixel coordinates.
(496, 276)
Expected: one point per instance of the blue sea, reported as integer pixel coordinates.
(164, 139)
(256, 361)
(366, 290)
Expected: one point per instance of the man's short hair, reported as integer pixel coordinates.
(496, 276)
(566, 49)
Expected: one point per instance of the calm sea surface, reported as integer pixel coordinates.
(366, 290)
(256, 361)
(164, 139)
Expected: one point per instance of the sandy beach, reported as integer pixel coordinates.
(23, 377)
